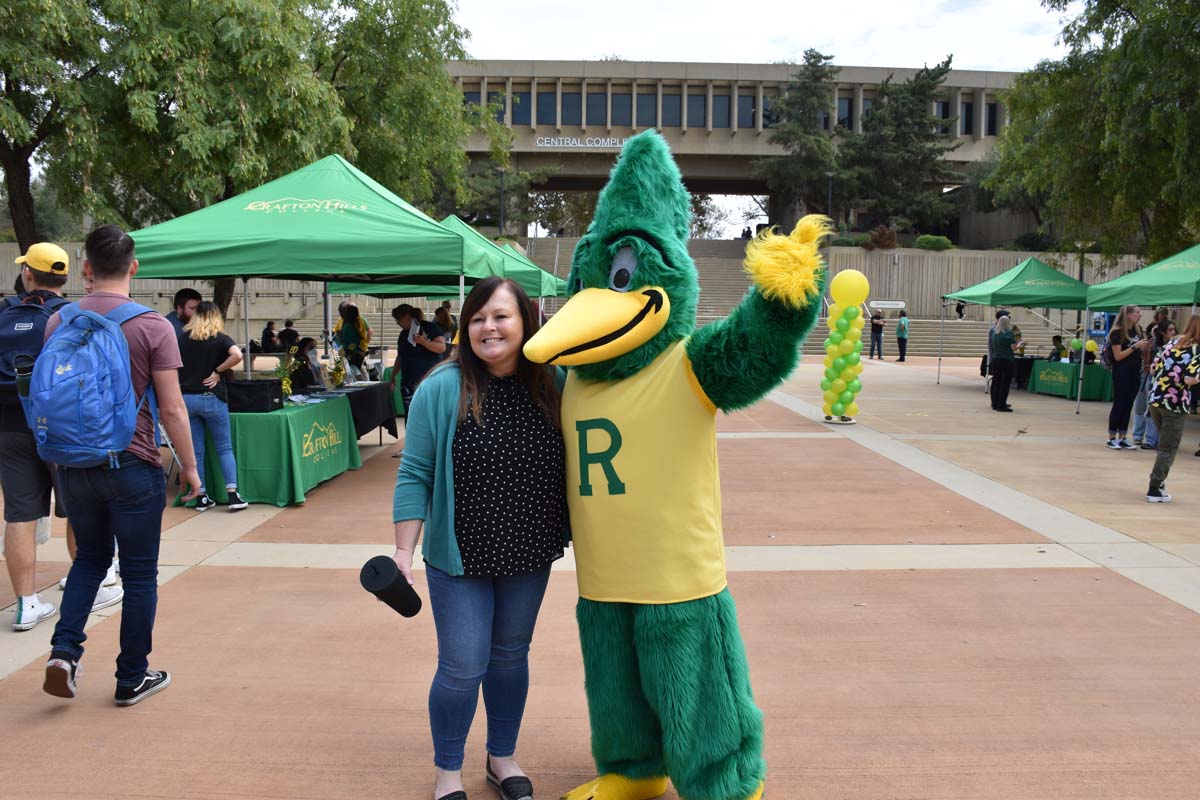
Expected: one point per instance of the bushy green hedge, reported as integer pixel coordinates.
(930, 242)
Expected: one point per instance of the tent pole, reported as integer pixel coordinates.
(462, 290)
(327, 316)
(941, 338)
(246, 323)
(1082, 364)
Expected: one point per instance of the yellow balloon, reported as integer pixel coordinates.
(847, 374)
(830, 397)
(847, 346)
(849, 287)
(858, 368)
(857, 324)
(828, 362)
(835, 311)
(852, 410)
(839, 386)
(1091, 346)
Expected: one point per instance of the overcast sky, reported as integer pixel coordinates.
(1009, 35)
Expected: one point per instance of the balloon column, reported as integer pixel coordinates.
(843, 361)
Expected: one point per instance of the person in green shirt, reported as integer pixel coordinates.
(1004, 345)
(902, 334)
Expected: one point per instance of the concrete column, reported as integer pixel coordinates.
(583, 102)
(508, 102)
(956, 98)
(708, 109)
(684, 101)
(633, 105)
(483, 103)
(1001, 116)
(608, 116)
(857, 107)
(833, 110)
(533, 104)
(758, 108)
(733, 108)
(980, 114)
(658, 117)
(558, 105)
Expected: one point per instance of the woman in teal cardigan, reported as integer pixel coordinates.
(484, 472)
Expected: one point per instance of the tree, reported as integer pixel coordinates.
(709, 220)
(799, 176)
(991, 189)
(1109, 132)
(50, 60)
(895, 169)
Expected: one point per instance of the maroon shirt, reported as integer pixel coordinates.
(152, 348)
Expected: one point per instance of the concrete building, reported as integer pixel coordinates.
(575, 115)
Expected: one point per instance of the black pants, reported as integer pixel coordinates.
(1126, 383)
(1002, 375)
(902, 343)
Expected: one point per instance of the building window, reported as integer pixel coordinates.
(522, 108)
(941, 110)
(768, 112)
(993, 119)
(672, 111)
(497, 98)
(720, 111)
(966, 119)
(845, 113)
(572, 108)
(597, 108)
(471, 98)
(695, 111)
(547, 111)
(823, 116)
(745, 111)
(867, 103)
(622, 109)
(647, 109)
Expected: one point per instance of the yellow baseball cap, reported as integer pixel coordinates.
(46, 257)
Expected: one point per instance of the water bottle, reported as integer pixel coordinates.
(23, 368)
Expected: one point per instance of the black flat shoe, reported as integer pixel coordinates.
(454, 796)
(517, 787)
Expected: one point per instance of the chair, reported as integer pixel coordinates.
(165, 438)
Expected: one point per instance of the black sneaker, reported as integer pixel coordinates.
(236, 503)
(153, 682)
(204, 503)
(62, 671)
(1158, 494)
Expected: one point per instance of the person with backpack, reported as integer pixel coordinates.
(100, 429)
(1123, 355)
(25, 479)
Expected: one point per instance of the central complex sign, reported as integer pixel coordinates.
(582, 143)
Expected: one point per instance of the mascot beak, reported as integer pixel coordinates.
(600, 324)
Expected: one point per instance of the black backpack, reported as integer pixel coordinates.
(23, 321)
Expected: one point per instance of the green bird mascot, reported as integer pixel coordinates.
(668, 686)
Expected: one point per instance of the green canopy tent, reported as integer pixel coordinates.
(1174, 281)
(1030, 284)
(325, 222)
(530, 277)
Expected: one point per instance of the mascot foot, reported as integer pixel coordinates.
(618, 787)
(758, 793)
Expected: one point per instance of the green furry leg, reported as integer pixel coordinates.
(626, 738)
(695, 676)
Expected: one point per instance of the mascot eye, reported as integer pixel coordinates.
(620, 278)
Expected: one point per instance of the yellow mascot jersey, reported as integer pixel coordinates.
(643, 485)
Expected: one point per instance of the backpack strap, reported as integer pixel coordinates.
(120, 315)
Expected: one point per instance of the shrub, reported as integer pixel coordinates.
(881, 238)
(930, 242)
(844, 241)
(1034, 241)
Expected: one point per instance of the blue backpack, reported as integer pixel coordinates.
(23, 329)
(81, 405)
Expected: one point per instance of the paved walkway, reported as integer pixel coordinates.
(940, 602)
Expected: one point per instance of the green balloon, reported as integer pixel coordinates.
(836, 337)
(854, 386)
(827, 343)
(846, 397)
(826, 385)
(858, 346)
(839, 364)
(837, 409)
(851, 359)
(1076, 344)
(851, 312)
(843, 324)
(831, 373)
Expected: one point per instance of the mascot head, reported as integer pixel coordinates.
(632, 285)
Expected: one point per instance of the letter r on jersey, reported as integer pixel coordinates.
(604, 458)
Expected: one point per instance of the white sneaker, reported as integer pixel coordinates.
(110, 578)
(108, 596)
(31, 613)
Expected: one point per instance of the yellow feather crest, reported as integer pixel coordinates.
(788, 268)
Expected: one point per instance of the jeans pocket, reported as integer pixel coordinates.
(138, 483)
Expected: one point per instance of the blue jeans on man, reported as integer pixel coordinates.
(100, 501)
(208, 412)
(484, 627)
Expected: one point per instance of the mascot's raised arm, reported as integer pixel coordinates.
(667, 682)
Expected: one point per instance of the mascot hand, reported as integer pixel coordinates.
(787, 269)
(618, 787)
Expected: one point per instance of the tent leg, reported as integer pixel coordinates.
(1082, 365)
(327, 315)
(462, 290)
(941, 338)
(246, 323)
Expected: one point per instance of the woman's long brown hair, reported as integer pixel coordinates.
(1191, 332)
(538, 378)
(1123, 324)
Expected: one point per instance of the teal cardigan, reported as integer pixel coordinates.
(425, 480)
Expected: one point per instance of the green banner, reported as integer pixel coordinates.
(1057, 378)
(283, 454)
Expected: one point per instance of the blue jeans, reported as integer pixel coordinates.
(1141, 409)
(100, 501)
(484, 626)
(209, 412)
(876, 343)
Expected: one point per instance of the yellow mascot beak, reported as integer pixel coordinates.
(598, 324)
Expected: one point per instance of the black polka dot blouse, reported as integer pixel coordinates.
(510, 502)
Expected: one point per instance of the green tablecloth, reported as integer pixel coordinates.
(1057, 378)
(285, 453)
(397, 400)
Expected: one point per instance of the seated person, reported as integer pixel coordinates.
(270, 341)
(1058, 350)
(307, 377)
